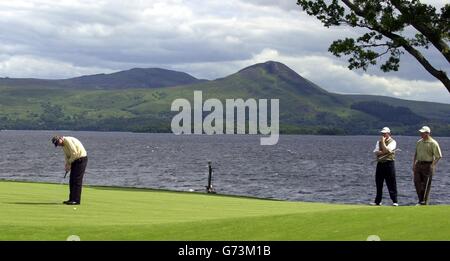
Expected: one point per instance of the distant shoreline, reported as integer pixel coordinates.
(256, 135)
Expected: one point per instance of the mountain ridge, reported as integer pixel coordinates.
(305, 108)
(125, 79)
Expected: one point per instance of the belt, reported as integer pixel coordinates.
(80, 159)
(385, 161)
(424, 162)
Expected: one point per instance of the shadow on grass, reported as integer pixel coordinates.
(34, 203)
(131, 189)
(196, 192)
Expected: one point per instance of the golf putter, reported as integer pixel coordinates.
(65, 174)
(426, 194)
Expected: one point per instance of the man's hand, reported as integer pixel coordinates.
(433, 167)
(67, 167)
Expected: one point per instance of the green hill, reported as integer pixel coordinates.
(130, 79)
(32, 211)
(134, 78)
(431, 110)
(304, 107)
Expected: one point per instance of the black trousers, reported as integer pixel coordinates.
(386, 171)
(76, 178)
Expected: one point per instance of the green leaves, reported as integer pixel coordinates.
(362, 56)
(328, 14)
(386, 21)
(392, 64)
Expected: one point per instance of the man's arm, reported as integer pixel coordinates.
(435, 161)
(392, 146)
(377, 150)
(386, 149)
(383, 148)
(66, 159)
(437, 155)
(66, 156)
(72, 152)
(433, 164)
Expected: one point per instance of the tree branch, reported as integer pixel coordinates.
(440, 75)
(399, 40)
(376, 45)
(385, 52)
(437, 41)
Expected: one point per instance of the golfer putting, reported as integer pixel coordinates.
(75, 162)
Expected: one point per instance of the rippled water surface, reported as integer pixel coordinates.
(300, 168)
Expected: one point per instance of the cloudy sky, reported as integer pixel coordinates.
(208, 39)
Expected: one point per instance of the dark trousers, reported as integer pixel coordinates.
(423, 175)
(76, 179)
(386, 171)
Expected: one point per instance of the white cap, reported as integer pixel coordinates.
(425, 129)
(385, 130)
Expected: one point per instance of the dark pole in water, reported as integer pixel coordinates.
(209, 188)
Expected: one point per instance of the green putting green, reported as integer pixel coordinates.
(33, 211)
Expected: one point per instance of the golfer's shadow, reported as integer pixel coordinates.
(34, 203)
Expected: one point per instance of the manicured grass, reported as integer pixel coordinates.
(33, 211)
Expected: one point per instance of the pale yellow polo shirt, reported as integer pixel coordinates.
(73, 149)
(428, 150)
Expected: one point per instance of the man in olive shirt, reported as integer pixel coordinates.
(426, 157)
(75, 162)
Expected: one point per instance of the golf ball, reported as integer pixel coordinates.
(74, 208)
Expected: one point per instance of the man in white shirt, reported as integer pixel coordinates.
(385, 153)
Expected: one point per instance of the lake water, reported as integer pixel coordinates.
(298, 168)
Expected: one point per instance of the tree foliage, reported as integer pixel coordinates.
(387, 26)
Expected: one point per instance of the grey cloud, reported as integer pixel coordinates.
(284, 4)
(209, 39)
